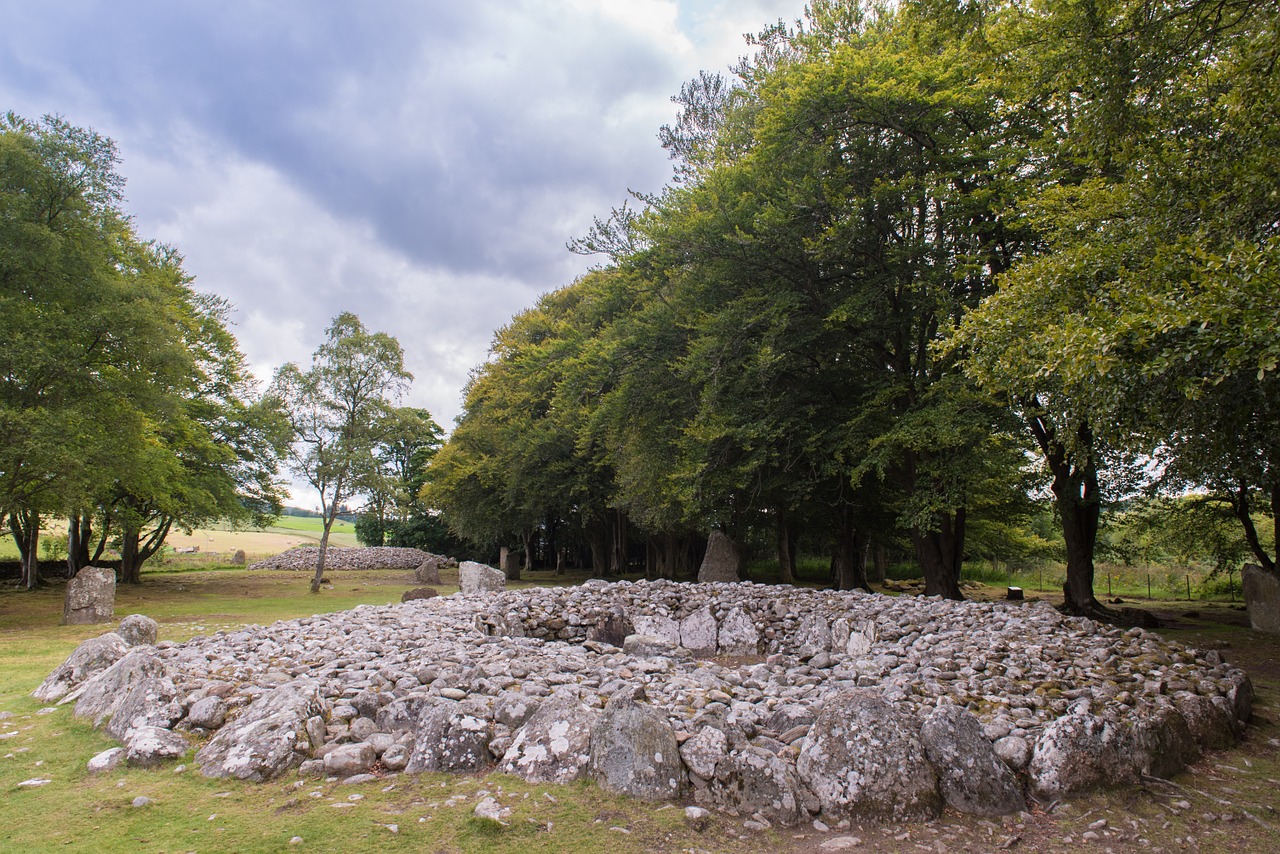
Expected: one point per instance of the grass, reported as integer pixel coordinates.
(80, 812)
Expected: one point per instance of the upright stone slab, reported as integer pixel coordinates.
(634, 750)
(721, 560)
(1262, 598)
(428, 572)
(91, 597)
(239, 558)
(477, 578)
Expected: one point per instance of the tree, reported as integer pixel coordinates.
(410, 438)
(337, 412)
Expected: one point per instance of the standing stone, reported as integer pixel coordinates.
(91, 597)
(698, 631)
(1262, 598)
(88, 660)
(428, 572)
(451, 736)
(554, 746)
(477, 578)
(509, 563)
(138, 630)
(634, 750)
(721, 561)
(657, 626)
(239, 558)
(864, 761)
(972, 777)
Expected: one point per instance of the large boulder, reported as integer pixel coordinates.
(268, 738)
(89, 659)
(477, 578)
(1164, 743)
(152, 702)
(864, 761)
(554, 745)
(1262, 598)
(754, 781)
(737, 634)
(91, 597)
(634, 750)
(99, 698)
(973, 779)
(698, 632)
(1078, 752)
(138, 630)
(1210, 723)
(428, 572)
(149, 746)
(721, 560)
(451, 736)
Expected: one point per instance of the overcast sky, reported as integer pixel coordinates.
(419, 163)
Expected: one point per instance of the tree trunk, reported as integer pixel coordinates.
(324, 548)
(25, 526)
(74, 547)
(940, 554)
(849, 563)
(598, 541)
(618, 556)
(881, 564)
(130, 566)
(787, 547)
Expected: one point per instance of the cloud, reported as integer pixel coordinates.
(419, 163)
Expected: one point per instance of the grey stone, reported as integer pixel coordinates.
(1078, 752)
(239, 558)
(99, 697)
(554, 745)
(1262, 598)
(490, 810)
(705, 750)
(477, 578)
(698, 631)
(451, 736)
(634, 750)
(208, 713)
(90, 597)
(149, 746)
(396, 758)
(1013, 751)
(350, 759)
(1163, 743)
(657, 626)
(419, 593)
(1210, 723)
(107, 760)
(88, 659)
(754, 781)
(721, 560)
(864, 761)
(648, 646)
(512, 708)
(268, 738)
(428, 572)
(737, 634)
(149, 703)
(612, 628)
(138, 630)
(971, 776)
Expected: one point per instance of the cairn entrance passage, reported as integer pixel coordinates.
(780, 703)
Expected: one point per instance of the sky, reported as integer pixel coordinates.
(420, 163)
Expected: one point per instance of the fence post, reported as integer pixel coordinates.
(1148, 586)
(1188, 588)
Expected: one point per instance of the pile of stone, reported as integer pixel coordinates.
(304, 558)
(772, 702)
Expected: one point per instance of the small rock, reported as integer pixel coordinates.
(491, 810)
(142, 801)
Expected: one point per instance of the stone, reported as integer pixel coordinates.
(1163, 743)
(634, 750)
(509, 563)
(513, 709)
(396, 757)
(350, 759)
(972, 778)
(87, 660)
(737, 634)
(721, 560)
(656, 626)
(864, 761)
(697, 817)
(151, 702)
(1210, 724)
(142, 801)
(698, 631)
(554, 745)
(451, 736)
(107, 760)
(490, 810)
(477, 578)
(99, 697)
(813, 635)
(648, 646)
(1262, 598)
(1013, 751)
(208, 713)
(704, 751)
(419, 593)
(138, 630)
(613, 629)
(149, 746)
(268, 738)
(90, 597)
(754, 781)
(239, 558)
(428, 572)
(1079, 752)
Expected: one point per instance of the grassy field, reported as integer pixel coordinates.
(79, 812)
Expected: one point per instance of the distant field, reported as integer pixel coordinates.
(290, 531)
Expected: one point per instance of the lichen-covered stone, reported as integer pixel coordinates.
(268, 738)
(634, 750)
(138, 630)
(554, 745)
(88, 659)
(971, 776)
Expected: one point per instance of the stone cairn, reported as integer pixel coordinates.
(303, 558)
(779, 703)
